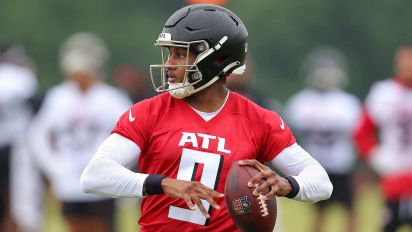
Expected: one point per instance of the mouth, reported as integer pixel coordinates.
(170, 77)
(171, 80)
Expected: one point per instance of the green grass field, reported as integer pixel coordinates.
(293, 216)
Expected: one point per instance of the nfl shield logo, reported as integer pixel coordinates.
(241, 206)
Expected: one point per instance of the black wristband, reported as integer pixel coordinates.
(295, 187)
(153, 184)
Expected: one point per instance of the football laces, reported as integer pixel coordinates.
(262, 204)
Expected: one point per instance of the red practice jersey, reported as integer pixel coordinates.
(177, 142)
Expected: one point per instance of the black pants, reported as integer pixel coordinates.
(103, 209)
(342, 191)
(4, 180)
(397, 214)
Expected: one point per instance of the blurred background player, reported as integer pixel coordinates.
(18, 85)
(324, 117)
(75, 117)
(245, 85)
(384, 138)
(133, 81)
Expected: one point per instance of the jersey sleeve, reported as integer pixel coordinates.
(365, 136)
(134, 124)
(276, 136)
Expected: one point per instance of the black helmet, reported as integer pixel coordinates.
(217, 37)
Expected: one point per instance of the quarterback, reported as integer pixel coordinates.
(186, 138)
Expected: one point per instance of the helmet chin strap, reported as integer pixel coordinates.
(181, 91)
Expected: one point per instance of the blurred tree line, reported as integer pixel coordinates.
(281, 33)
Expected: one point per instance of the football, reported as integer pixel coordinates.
(249, 213)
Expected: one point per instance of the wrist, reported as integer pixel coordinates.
(153, 185)
(294, 185)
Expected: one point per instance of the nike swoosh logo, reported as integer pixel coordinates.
(282, 125)
(131, 118)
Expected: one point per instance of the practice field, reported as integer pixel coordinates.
(293, 216)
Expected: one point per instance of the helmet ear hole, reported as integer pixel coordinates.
(198, 48)
(201, 47)
(195, 76)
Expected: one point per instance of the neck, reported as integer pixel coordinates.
(209, 99)
(405, 81)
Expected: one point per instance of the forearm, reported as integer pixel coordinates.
(107, 175)
(314, 183)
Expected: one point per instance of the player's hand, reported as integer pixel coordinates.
(267, 182)
(191, 191)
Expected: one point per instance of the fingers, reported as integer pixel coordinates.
(263, 187)
(271, 193)
(198, 203)
(209, 195)
(194, 192)
(266, 182)
(212, 202)
(218, 195)
(268, 189)
(255, 180)
(212, 193)
(253, 163)
(188, 201)
(202, 209)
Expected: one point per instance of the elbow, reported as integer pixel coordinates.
(327, 189)
(323, 189)
(86, 181)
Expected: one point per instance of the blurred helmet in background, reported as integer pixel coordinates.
(83, 53)
(325, 68)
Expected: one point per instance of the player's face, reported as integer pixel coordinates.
(84, 80)
(178, 56)
(404, 64)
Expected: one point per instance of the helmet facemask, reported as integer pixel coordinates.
(192, 74)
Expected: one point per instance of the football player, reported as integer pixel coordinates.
(324, 117)
(18, 85)
(74, 119)
(384, 137)
(186, 138)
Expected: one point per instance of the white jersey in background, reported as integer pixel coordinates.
(324, 123)
(17, 85)
(69, 128)
(389, 105)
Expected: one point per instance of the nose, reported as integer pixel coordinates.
(169, 66)
(170, 61)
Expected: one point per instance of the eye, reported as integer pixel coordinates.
(176, 53)
(181, 54)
